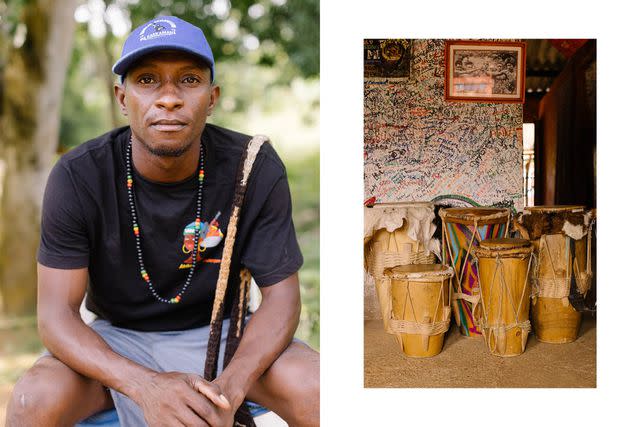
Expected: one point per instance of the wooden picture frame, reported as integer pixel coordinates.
(485, 71)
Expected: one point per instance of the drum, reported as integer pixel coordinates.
(463, 228)
(397, 234)
(561, 236)
(421, 307)
(504, 267)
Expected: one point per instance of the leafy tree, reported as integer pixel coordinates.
(35, 43)
(279, 33)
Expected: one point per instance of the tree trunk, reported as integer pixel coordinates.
(32, 80)
(108, 76)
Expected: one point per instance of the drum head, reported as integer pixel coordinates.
(506, 244)
(472, 215)
(419, 271)
(537, 221)
(503, 248)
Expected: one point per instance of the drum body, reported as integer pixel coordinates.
(561, 236)
(385, 249)
(504, 268)
(421, 307)
(462, 229)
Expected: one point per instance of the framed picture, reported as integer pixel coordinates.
(387, 60)
(484, 71)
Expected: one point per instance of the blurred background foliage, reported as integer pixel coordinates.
(267, 65)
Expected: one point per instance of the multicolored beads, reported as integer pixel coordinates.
(136, 228)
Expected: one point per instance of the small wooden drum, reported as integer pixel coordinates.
(463, 228)
(421, 307)
(561, 236)
(504, 267)
(388, 243)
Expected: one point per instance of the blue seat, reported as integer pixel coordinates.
(256, 409)
(109, 418)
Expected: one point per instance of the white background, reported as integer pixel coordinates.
(344, 400)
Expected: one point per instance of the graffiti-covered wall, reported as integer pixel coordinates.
(419, 146)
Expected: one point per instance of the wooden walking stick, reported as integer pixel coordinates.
(242, 416)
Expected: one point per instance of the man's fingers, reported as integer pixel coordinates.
(204, 408)
(191, 418)
(213, 394)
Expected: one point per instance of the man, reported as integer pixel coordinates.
(141, 213)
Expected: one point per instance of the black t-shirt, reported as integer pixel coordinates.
(86, 222)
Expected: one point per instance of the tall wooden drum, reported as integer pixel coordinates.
(504, 267)
(421, 307)
(397, 234)
(561, 236)
(463, 228)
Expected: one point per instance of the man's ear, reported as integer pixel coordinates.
(215, 94)
(119, 92)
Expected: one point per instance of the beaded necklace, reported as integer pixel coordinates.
(136, 227)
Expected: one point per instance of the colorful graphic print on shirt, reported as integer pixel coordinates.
(210, 236)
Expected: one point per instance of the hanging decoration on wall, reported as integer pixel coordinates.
(387, 60)
(484, 71)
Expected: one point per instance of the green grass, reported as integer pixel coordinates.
(19, 347)
(304, 181)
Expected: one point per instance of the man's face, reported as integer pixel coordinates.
(167, 97)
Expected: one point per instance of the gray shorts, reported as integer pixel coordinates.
(181, 351)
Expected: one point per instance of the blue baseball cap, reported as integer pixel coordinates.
(164, 33)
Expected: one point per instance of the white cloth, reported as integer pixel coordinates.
(390, 216)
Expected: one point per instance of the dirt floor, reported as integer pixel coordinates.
(465, 362)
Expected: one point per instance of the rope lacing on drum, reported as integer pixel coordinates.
(556, 287)
(499, 330)
(473, 299)
(583, 278)
(459, 294)
(399, 326)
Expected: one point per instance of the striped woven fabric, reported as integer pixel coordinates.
(459, 237)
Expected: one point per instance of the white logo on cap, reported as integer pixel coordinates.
(157, 30)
